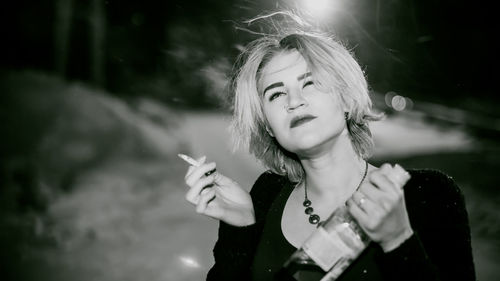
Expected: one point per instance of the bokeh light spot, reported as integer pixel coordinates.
(398, 103)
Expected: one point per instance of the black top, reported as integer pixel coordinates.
(440, 248)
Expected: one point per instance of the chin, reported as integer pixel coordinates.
(312, 142)
(303, 143)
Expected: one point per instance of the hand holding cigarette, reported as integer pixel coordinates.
(194, 163)
(216, 195)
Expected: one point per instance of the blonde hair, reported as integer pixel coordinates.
(334, 70)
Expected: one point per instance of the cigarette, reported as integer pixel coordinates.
(189, 159)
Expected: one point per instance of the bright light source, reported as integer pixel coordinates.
(320, 8)
(189, 262)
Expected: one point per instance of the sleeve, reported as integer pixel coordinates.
(440, 248)
(235, 247)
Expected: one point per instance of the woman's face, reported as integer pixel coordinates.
(302, 118)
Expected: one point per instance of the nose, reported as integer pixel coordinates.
(295, 100)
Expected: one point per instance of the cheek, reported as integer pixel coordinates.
(327, 103)
(272, 116)
(332, 114)
(335, 101)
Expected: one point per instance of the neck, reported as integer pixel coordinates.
(336, 172)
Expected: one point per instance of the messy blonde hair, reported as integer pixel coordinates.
(334, 70)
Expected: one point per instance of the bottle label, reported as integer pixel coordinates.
(326, 249)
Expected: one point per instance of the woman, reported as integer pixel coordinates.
(302, 107)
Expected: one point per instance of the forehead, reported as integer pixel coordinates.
(285, 64)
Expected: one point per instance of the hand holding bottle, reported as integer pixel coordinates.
(379, 207)
(216, 195)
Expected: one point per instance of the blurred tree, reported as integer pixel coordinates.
(97, 30)
(439, 50)
(62, 28)
(65, 33)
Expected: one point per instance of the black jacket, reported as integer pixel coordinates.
(440, 248)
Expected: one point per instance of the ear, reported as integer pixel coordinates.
(347, 111)
(345, 106)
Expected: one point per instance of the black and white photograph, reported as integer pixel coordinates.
(249, 140)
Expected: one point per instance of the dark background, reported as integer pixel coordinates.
(432, 50)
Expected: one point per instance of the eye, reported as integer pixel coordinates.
(275, 95)
(308, 83)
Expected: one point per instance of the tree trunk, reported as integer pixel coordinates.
(62, 28)
(97, 22)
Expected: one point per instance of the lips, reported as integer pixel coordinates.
(300, 120)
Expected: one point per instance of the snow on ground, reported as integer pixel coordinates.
(128, 220)
(404, 135)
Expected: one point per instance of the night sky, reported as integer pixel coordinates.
(440, 50)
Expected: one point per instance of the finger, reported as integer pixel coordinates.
(385, 168)
(200, 161)
(396, 174)
(199, 172)
(210, 172)
(370, 191)
(358, 213)
(381, 181)
(399, 175)
(222, 180)
(367, 221)
(381, 198)
(194, 192)
(402, 170)
(205, 198)
(366, 204)
(359, 199)
(189, 171)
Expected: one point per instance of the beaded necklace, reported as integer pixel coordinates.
(314, 218)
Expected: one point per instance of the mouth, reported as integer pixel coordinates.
(301, 120)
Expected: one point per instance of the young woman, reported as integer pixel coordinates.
(301, 106)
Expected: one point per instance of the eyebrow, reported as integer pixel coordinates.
(280, 84)
(305, 75)
(274, 85)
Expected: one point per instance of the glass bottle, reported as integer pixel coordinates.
(330, 249)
